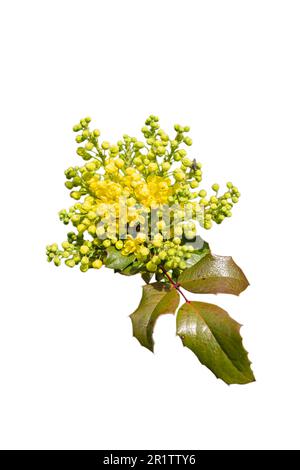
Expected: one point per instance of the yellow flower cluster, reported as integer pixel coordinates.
(120, 185)
(152, 191)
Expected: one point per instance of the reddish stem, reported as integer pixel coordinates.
(175, 285)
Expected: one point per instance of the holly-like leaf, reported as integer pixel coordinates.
(133, 268)
(157, 299)
(147, 276)
(197, 255)
(215, 338)
(115, 259)
(214, 274)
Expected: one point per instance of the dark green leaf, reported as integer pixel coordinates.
(197, 255)
(157, 299)
(147, 276)
(159, 276)
(214, 274)
(115, 259)
(215, 339)
(133, 269)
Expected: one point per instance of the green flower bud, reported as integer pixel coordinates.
(97, 264)
(188, 141)
(105, 145)
(166, 166)
(186, 162)
(137, 161)
(70, 263)
(177, 157)
(77, 181)
(179, 175)
(80, 151)
(151, 267)
(75, 195)
(89, 146)
(168, 265)
(81, 228)
(152, 167)
(162, 255)
(84, 249)
(139, 145)
(84, 268)
(114, 149)
(92, 229)
(69, 184)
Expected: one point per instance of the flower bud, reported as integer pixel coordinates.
(105, 145)
(97, 264)
(84, 249)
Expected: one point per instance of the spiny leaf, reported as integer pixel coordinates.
(197, 255)
(157, 299)
(215, 338)
(133, 268)
(147, 276)
(214, 274)
(115, 259)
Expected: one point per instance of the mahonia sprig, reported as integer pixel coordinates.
(150, 173)
(138, 205)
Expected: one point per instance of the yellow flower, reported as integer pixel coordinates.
(132, 245)
(155, 191)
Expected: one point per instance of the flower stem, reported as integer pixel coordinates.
(175, 285)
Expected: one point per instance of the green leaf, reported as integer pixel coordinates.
(157, 299)
(197, 255)
(214, 274)
(133, 268)
(215, 339)
(147, 276)
(115, 259)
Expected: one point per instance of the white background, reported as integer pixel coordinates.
(71, 375)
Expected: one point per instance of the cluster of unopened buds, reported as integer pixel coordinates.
(142, 198)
